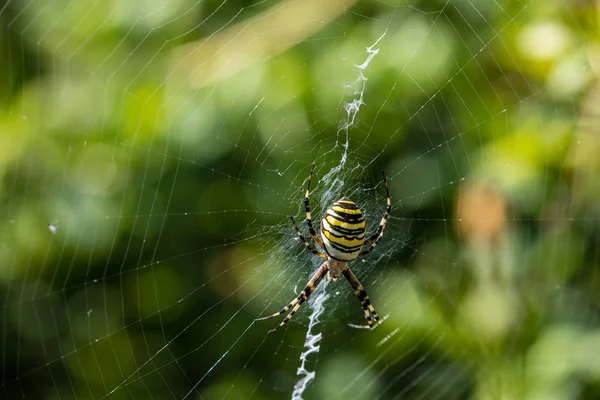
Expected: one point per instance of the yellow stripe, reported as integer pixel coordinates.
(335, 223)
(345, 210)
(342, 241)
(346, 201)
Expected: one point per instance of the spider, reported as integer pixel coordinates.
(343, 240)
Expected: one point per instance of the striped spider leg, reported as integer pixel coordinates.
(302, 297)
(343, 239)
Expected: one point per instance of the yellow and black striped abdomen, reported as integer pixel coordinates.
(343, 230)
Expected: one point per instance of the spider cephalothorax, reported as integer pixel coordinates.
(342, 239)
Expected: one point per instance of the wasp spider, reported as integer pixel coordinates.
(343, 240)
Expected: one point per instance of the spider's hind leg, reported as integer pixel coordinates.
(284, 309)
(302, 297)
(359, 290)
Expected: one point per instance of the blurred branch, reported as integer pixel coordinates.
(235, 48)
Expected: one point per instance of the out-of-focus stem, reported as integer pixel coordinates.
(239, 46)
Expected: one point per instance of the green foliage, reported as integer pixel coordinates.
(168, 141)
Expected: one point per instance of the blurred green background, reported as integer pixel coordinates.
(150, 153)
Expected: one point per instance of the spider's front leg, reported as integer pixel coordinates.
(308, 215)
(302, 297)
(305, 242)
(376, 237)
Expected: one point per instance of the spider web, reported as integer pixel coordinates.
(153, 151)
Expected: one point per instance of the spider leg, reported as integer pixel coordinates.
(371, 238)
(376, 237)
(359, 290)
(308, 216)
(308, 246)
(302, 297)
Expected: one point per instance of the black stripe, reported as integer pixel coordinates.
(343, 217)
(338, 232)
(350, 217)
(354, 225)
(336, 217)
(355, 237)
(347, 206)
(347, 231)
(344, 249)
